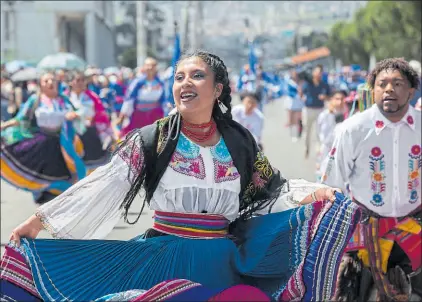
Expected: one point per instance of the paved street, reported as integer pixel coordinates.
(288, 157)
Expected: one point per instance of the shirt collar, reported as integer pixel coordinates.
(380, 121)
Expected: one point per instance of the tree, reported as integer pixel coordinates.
(383, 28)
(317, 39)
(129, 58)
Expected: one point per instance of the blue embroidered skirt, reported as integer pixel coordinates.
(288, 255)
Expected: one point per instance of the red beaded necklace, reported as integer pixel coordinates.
(199, 137)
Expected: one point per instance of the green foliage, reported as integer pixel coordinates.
(383, 28)
(318, 39)
(129, 58)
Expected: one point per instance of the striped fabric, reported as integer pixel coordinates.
(201, 226)
(14, 269)
(371, 239)
(290, 255)
(167, 289)
(386, 291)
(405, 232)
(316, 276)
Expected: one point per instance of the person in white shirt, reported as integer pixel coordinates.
(249, 116)
(326, 124)
(378, 153)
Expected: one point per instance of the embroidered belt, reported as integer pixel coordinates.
(200, 226)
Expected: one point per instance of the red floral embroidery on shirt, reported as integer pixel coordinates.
(333, 151)
(415, 165)
(416, 150)
(377, 166)
(410, 120)
(379, 124)
(376, 151)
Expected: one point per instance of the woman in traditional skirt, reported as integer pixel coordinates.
(40, 152)
(144, 100)
(95, 127)
(224, 217)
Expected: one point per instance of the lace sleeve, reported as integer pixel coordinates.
(293, 193)
(92, 207)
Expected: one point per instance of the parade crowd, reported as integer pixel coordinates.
(227, 225)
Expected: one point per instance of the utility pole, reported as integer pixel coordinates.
(141, 32)
(201, 23)
(186, 35)
(197, 25)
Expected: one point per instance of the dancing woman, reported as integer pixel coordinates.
(144, 101)
(40, 152)
(94, 126)
(213, 193)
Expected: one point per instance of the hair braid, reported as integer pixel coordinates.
(220, 76)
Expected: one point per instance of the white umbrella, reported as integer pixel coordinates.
(27, 74)
(62, 60)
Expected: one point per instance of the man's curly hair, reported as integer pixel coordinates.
(399, 64)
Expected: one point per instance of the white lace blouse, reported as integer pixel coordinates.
(197, 180)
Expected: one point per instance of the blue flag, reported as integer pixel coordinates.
(176, 56)
(253, 60)
(176, 50)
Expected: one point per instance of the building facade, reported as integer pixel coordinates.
(31, 30)
(126, 28)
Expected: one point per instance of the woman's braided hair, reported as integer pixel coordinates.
(220, 76)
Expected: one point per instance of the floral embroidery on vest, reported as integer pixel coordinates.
(262, 174)
(377, 166)
(187, 159)
(224, 169)
(415, 163)
(162, 134)
(133, 156)
(329, 164)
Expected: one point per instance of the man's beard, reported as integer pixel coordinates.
(397, 110)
